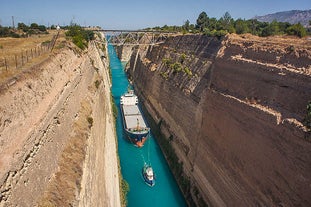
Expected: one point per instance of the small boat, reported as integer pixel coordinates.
(148, 175)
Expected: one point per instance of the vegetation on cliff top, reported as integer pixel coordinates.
(226, 24)
(80, 37)
(307, 120)
(22, 30)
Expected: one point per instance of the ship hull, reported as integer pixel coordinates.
(134, 125)
(137, 139)
(151, 182)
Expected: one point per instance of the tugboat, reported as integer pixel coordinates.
(133, 121)
(148, 175)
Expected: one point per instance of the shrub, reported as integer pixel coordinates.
(97, 83)
(80, 37)
(164, 75)
(307, 119)
(296, 29)
(167, 61)
(90, 121)
(42, 28)
(79, 41)
(177, 67)
(182, 58)
(125, 188)
(188, 71)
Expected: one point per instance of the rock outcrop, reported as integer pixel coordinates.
(56, 130)
(124, 52)
(230, 113)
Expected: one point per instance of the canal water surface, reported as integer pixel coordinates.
(165, 193)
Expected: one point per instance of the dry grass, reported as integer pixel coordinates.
(278, 41)
(11, 47)
(66, 184)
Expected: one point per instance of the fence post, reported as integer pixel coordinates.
(16, 61)
(22, 59)
(27, 56)
(31, 53)
(6, 64)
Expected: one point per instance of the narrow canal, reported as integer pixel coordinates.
(165, 193)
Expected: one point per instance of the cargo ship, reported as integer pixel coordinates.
(134, 124)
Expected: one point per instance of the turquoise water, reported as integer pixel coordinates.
(165, 193)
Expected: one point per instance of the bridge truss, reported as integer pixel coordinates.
(131, 37)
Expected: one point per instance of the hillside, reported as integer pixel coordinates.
(293, 17)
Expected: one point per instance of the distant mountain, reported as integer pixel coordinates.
(293, 17)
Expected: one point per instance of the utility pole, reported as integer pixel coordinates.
(13, 22)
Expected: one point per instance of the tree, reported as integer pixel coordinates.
(186, 25)
(241, 26)
(271, 29)
(202, 21)
(307, 119)
(34, 26)
(22, 26)
(42, 28)
(296, 29)
(227, 22)
(212, 23)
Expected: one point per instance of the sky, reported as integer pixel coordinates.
(135, 14)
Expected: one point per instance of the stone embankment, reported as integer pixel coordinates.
(231, 113)
(57, 139)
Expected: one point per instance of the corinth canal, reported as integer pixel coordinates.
(165, 193)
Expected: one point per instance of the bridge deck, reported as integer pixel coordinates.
(135, 37)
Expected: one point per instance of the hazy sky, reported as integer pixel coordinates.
(136, 14)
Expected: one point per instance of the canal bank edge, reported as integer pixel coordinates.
(106, 153)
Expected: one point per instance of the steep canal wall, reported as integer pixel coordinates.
(57, 139)
(231, 111)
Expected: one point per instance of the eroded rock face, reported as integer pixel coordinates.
(124, 52)
(54, 151)
(232, 110)
(37, 106)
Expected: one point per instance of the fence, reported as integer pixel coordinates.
(18, 60)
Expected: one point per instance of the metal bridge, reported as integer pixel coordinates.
(135, 37)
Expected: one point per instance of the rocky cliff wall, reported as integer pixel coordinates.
(124, 52)
(54, 150)
(232, 111)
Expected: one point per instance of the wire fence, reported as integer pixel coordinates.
(18, 60)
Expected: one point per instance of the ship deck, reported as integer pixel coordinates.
(131, 114)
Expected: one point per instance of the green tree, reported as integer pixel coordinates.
(4, 31)
(202, 21)
(212, 23)
(22, 26)
(241, 26)
(296, 29)
(307, 119)
(34, 26)
(42, 28)
(227, 19)
(186, 25)
(80, 37)
(283, 26)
